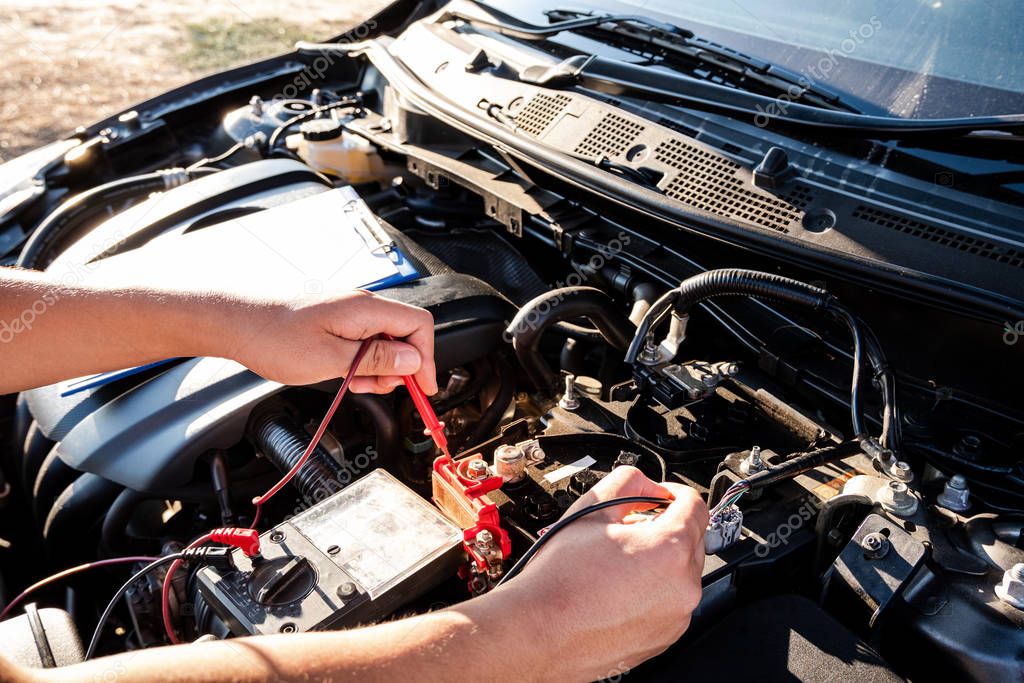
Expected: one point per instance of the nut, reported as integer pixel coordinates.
(484, 539)
(955, 496)
(753, 462)
(1011, 589)
(900, 471)
(875, 545)
(897, 499)
(477, 469)
(533, 451)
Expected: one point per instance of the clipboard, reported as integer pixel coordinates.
(330, 238)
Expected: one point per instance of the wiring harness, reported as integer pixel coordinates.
(761, 285)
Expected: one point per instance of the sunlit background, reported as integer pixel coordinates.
(72, 63)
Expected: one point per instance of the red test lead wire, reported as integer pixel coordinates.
(430, 421)
(315, 441)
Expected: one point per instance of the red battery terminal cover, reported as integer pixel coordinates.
(465, 501)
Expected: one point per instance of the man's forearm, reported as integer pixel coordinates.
(488, 632)
(51, 331)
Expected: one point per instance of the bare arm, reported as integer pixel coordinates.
(603, 596)
(51, 331)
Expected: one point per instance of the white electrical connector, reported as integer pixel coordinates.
(723, 530)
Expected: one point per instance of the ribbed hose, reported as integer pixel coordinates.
(282, 442)
(755, 283)
(558, 305)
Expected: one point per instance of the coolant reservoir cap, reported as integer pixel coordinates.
(321, 129)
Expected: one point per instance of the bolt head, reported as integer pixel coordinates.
(1011, 589)
(875, 545)
(897, 499)
(346, 590)
(901, 471)
(955, 494)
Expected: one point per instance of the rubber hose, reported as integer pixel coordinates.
(728, 282)
(60, 221)
(76, 510)
(491, 417)
(282, 442)
(579, 332)
(388, 438)
(559, 305)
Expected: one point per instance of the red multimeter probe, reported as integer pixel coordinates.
(426, 411)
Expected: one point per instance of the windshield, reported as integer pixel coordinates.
(912, 59)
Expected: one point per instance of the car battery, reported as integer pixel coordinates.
(351, 559)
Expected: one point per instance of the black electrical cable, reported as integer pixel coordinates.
(308, 115)
(119, 594)
(760, 285)
(892, 435)
(650, 320)
(856, 407)
(569, 519)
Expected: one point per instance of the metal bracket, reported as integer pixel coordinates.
(509, 215)
(878, 578)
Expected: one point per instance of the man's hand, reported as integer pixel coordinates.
(609, 591)
(51, 331)
(311, 340)
(602, 596)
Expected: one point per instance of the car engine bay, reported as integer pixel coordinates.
(858, 440)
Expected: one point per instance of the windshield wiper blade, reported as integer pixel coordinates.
(533, 32)
(693, 51)
(618, 78)
(676, 46)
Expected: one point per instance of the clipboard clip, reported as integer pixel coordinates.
(384, 246)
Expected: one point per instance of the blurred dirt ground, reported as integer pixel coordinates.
(74, 62)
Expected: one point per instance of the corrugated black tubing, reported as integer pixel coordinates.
(772, 287)
(727, 282)
(281, 441)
